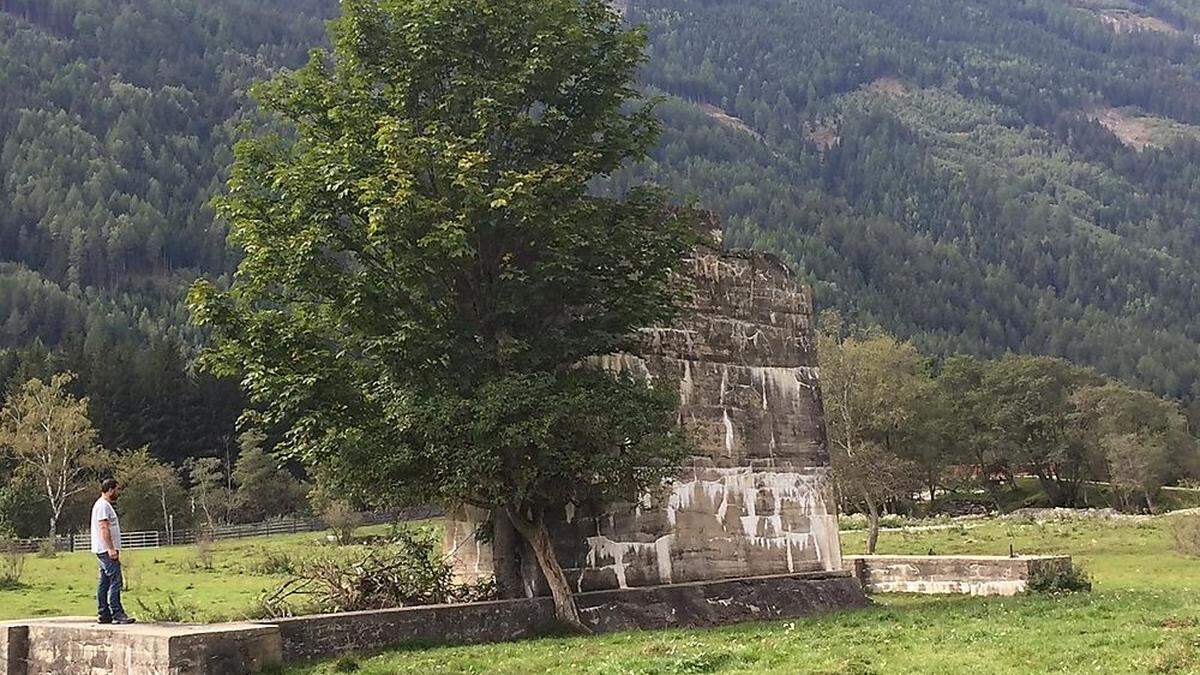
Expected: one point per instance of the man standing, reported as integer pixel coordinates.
(106, 544)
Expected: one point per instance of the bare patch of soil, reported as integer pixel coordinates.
(729, 120)
(824, 136)
(1142, 131)
(1135, 132)
(1125, 21)
(888, 86)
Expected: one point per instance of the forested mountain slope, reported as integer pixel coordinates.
(943, 167)
(947, 168)
(116, 123)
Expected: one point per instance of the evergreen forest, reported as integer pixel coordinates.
(975, 176)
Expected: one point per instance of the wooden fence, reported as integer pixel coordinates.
(157, 538)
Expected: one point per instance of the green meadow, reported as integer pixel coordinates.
(220, 584)
(1143, 616)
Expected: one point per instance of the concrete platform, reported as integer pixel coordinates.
(952, 574)
(70, 645)
(78, 645)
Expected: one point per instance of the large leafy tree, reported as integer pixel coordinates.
(426, 270)
(1138, 441)
(873, 388)
(151, 492)
(264, 488)
(965, 424)
(1029, 414)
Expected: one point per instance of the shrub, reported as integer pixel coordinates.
(342, 519)
(859, 521)
(204, 553)
(170, 611)
(408, 571)
(1069, 578)
(130, 574)
(852, 521)
(46, 549)
(1186, 532)
(274, 563)
(12, 566)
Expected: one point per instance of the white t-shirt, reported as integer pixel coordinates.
(103, 510)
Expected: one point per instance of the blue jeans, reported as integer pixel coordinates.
(108, 591)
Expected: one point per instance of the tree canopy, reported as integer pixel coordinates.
(426, 271)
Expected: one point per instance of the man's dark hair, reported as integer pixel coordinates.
(108, 484)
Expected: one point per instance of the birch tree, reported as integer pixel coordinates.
(209, 491)
(47, 432)
(151, 491)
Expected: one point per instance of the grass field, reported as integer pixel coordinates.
(1142, 617)
(1027, 492)
(240, 571)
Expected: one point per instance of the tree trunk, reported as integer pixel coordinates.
(162, 500)
(53, 525)
(1051, 488)
(506, 557)
(872, 525)
(1069, 486)
(534, 532)
(993, 491)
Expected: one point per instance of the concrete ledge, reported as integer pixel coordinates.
(692, 604)
(71, 645)
(950, 574)
(14, 645)
(77, 645)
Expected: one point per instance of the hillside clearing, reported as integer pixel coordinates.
(1142, 131)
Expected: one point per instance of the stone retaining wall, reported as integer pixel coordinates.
(78, 646)
(691, 604)
(970, 575)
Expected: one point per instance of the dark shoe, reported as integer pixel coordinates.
(123, 620)
(104, 619)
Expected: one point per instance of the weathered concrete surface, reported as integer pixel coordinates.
(756, 499)
(14, 646)
(970, 575)
(717, 603)
(695, 604)
(79, 645)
